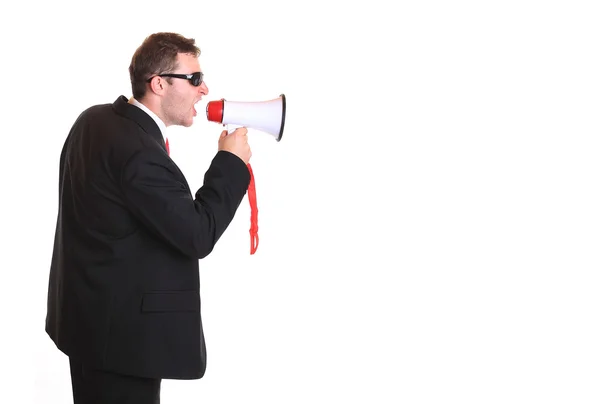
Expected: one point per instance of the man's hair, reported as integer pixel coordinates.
(157, 55)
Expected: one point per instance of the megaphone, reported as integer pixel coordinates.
(266, 116)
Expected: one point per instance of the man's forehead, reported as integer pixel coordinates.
(187, 60)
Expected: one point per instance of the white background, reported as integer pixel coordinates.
(429, 223)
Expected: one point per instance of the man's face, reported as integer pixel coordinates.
(181, 96)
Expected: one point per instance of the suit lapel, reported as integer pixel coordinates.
(123, 108)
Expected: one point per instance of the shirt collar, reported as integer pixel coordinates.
(159, 122)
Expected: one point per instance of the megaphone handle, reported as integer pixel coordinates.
(253, 213)
(231, 127)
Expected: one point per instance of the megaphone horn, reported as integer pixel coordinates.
(267, 116)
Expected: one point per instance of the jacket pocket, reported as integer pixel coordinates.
(169, 301)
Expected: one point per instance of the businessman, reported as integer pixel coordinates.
(123, 293)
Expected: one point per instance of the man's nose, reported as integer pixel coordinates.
(203, 89)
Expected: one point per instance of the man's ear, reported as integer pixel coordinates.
(157, 85)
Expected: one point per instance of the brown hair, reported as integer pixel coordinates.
(157, 55)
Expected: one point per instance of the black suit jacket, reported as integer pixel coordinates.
(124, 282)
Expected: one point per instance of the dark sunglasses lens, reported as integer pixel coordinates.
(197, 79)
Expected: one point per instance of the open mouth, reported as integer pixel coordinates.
(194, 106)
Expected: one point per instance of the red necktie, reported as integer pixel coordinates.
(167, 144)
(253, 213)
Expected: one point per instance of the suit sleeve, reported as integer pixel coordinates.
(155, 194)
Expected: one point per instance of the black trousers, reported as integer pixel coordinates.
(92, 386)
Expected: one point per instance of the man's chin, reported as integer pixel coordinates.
(188, 123)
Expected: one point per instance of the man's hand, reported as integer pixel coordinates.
(236, 143)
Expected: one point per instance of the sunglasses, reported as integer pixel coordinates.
(195, 78)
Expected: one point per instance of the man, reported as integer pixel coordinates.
(123, 295)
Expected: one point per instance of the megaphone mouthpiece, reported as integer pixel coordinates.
(214, 111)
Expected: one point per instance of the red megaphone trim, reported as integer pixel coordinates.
(214, 110)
